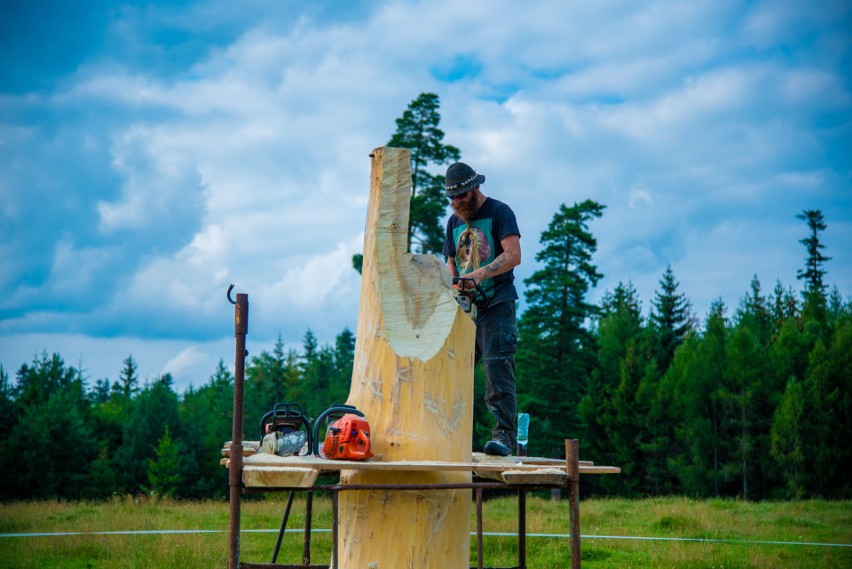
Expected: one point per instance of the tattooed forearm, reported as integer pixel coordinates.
(496, 264)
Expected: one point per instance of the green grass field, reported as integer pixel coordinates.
(742, 523)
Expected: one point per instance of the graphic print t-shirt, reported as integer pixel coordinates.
(476, 244)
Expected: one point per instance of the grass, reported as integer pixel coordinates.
(737, 521)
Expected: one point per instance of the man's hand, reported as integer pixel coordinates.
(466, 282)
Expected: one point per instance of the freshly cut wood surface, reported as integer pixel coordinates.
(413, 379)
(481, 457)
(279, 477)
(540, 476)
(249, 448)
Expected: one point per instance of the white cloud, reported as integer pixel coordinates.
(639, 196)
(703, 126)
(161, 187)
(186, 361)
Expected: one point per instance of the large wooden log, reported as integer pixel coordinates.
(413, 379)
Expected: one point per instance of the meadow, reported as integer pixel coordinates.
(727, 534)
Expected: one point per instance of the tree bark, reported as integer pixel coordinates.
(413, 379)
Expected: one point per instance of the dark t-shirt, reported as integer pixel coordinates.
(477, 244)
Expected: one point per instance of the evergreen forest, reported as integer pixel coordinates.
(752, 401)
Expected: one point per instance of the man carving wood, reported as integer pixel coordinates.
(482, 243)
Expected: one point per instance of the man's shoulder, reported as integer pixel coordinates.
(499, 211)
(496, 205)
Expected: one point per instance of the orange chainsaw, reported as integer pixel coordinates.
(348, 437)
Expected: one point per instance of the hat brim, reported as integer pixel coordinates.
(480, 179)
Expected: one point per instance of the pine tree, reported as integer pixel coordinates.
(756, 311)
(699, 432)
(269, 380)
(47, 376)
(620, 322)
(556, 351)
(747, 402)
(788, 439)
(344, 359)
(418, 130)
(8, 405)
(814, 272)
(164, 469)
(669, 323)
(100, 392)
(52, 403)
(206, 419)
(102, 479)
(318, 372)
(619, 330)
(148, 415)
(827, 413)
(671, 319)
(128, 378)
(767, 388)
(784, 307)
(627, 419)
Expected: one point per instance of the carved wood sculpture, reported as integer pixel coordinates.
(413, 379)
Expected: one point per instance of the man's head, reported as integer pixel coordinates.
(462, 189)
(461, 178)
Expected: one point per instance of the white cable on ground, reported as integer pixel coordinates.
(490, 534)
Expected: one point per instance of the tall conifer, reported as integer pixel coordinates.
(556, 345)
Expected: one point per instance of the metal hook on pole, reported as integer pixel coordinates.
(228, 295)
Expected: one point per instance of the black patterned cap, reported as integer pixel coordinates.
(460, 179)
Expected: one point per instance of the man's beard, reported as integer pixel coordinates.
(465, 210)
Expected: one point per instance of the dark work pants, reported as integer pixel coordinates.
(496, 344)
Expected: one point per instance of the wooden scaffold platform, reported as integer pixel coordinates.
(410, 505)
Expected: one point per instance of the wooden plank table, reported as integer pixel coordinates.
(262, 471)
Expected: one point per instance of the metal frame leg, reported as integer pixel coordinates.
(283, 527)
(335, 519)
(479, 528)
(572, 459)
(309, 513)
(522, 529)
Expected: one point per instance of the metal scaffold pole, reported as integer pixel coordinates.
(236, 455)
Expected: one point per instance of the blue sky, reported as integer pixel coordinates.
(152, 153)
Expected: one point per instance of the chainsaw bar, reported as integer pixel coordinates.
(284, 444)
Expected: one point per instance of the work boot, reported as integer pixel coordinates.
(497, 448)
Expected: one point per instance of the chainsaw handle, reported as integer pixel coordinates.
(459, 283)
(290, 410)
(336, 409)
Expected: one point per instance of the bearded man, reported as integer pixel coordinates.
(483, 243)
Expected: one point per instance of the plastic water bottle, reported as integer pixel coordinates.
(523, 432)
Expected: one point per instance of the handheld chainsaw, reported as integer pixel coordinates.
(347, 437)
(469, 295)
(285, 430)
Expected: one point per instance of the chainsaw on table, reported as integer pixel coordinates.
(348, 434)
(469, 295)
(285, 430)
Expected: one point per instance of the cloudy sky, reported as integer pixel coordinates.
(152, 153)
